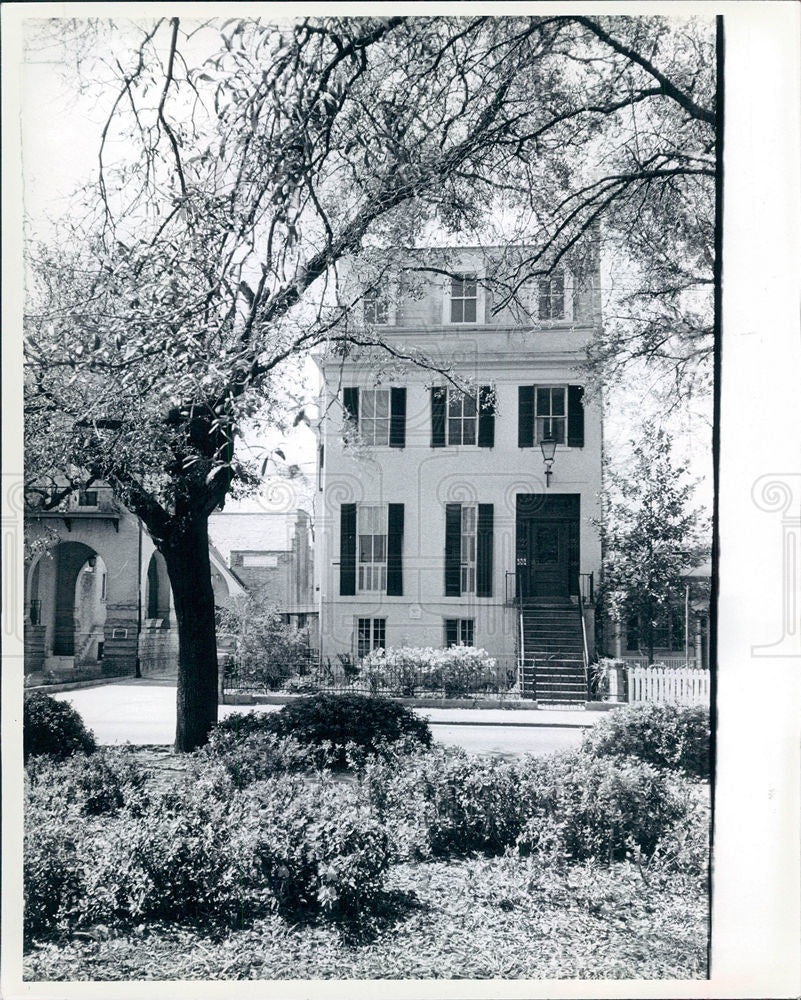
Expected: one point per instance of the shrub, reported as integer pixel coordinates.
(572, 805)
(53, 727)
(189, 856)
(243, 724)
(251, 756)
(101, 783)
(667, 736)
(346, 719)
(584, 807)
(319, 850)
(51, 873)
(444, 802)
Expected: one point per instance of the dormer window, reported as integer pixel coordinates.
(376, 312)
(552, 296)
(464, 299)
(87, 498)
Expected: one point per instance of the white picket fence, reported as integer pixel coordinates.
(676, 686)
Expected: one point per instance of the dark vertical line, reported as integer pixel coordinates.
(716, 391)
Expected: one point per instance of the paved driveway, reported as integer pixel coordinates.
(141, 713)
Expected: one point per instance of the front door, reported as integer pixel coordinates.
(546, 560)
(547, 547)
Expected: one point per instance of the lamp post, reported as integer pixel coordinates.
(548, 446)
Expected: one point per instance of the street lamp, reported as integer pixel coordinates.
(548, 446)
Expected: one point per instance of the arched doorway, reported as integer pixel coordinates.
(80, 603)
(157, 597)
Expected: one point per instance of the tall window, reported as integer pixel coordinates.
(371, 633)
(552, 296)
(462, 417)
(459, 631)
(372, 532)
(468, 554)
(374, 416)
(464, 299)
(375, 307)
(551, 413)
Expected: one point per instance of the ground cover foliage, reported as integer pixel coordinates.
(263, 861)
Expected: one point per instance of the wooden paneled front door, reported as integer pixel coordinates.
(547, 547)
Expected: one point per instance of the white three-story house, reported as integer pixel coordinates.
(441, 516)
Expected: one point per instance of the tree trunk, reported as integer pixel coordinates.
(186, 552)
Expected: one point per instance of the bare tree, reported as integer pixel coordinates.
(241, 164)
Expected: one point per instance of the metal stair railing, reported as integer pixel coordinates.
(586, 656)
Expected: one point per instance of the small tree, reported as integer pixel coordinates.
(651, 533)
(267, 649)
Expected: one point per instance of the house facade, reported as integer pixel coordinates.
(437, 523)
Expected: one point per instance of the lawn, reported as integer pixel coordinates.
(506, 918)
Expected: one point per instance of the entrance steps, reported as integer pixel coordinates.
(552, 668)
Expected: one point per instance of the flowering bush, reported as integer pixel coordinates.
(457, 671)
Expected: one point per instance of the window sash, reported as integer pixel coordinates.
(370, 634)
(372, 548)
(462, 417)
(464, 299)
(551, 296)
(550, 408)
(376, 311)
(468, 548)
(459, 631)
(374, 416)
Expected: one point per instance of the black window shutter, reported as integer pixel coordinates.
(451, 631)
(397, 418)
(575, 416)
(347, 550)
(453, 549)
(525, 416)
(484, 550)
(438, 397)
(395, 550)
(486, 417)
(350, 400)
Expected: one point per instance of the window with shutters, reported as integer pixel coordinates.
(372, 550)
(551, 296)
(462, 414)
(468, 548)
(459, 631)
(374, 416)
(464, 299)
(550, 411)
(371, 633)
(376, 310)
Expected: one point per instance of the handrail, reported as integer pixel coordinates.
(586, 650)
(520, 651)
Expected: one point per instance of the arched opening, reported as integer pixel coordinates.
(222, 595)
(157, 598)
(80, 603)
